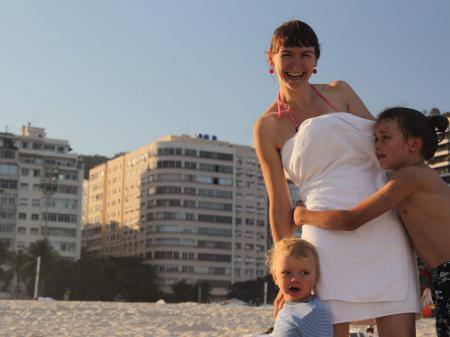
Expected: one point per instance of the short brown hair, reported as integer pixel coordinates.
(294, 33)
(295, 247)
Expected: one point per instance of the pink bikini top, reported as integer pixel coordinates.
(280, 103)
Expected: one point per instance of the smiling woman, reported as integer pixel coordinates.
(331, 160)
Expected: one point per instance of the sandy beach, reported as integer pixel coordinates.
(23, 318)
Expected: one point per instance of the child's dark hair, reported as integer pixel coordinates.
(294, 33)
(413, 123)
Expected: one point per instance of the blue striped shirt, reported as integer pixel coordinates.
(303, 319)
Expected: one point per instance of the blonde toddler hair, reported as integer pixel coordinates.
(292, 246)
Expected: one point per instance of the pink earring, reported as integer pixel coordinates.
(314, 71)
(271, 70)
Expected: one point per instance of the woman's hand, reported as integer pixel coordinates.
(278, 304)
(298, 211)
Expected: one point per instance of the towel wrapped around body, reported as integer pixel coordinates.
(332, 161)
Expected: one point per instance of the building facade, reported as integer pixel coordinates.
(41, 192)
(194, 207)
(9, 182)
(441, 160)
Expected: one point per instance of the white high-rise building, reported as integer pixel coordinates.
(441, 160)
(194, 207)
(40, 193)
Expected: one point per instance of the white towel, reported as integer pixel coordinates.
(331, 159)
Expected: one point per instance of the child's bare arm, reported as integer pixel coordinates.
(402, 184)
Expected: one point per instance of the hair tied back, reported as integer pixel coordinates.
(438, 124)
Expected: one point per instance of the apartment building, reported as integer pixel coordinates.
(441, 160)
(8, 188)
(194, 207)
(40, 193)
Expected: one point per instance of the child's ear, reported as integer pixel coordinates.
(274, 278)
(415, 144)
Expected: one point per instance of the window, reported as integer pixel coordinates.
(7, 214)
(9, 169)
(214, 205)
(22, 216)
(205, 179)
(190, 190)
(6, 228)
(190, 153)
(35, 217)
(249, 222)
(37, 146)
(168, 164)
(190, 165)
(8, 184)
(225, 181)
(169, 151)
(215, 168)
(57, 217)
(216, 155)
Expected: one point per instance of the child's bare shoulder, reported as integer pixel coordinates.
(422, 176)
(408, 172)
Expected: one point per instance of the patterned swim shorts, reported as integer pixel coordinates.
(440, 291)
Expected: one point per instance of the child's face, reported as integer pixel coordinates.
(391, 147)
(295, 276)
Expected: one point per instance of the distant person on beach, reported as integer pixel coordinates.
(404, 140)
(294, 265)
(320, 136)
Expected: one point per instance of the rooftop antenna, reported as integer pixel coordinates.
(6, 128)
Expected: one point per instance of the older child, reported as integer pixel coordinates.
(404, 139)
(294, 265)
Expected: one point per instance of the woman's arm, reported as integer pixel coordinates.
(280, 206)
(402, 184)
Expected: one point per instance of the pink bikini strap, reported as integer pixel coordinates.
(291, 116)
(325, 100)
(280, 112)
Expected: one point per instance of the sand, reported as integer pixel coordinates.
(23, 318)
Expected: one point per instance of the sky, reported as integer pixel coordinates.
(111, 76)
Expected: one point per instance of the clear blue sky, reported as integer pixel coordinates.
(111, 76)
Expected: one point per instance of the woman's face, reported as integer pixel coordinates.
(294, 65)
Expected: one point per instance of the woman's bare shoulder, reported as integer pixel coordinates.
(268, 129)
(266, 121)
(335, 87)
(346, 99)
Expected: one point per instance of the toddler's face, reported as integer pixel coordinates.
(295, 276)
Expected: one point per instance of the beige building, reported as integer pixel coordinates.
(194, 207)
(40, 196)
